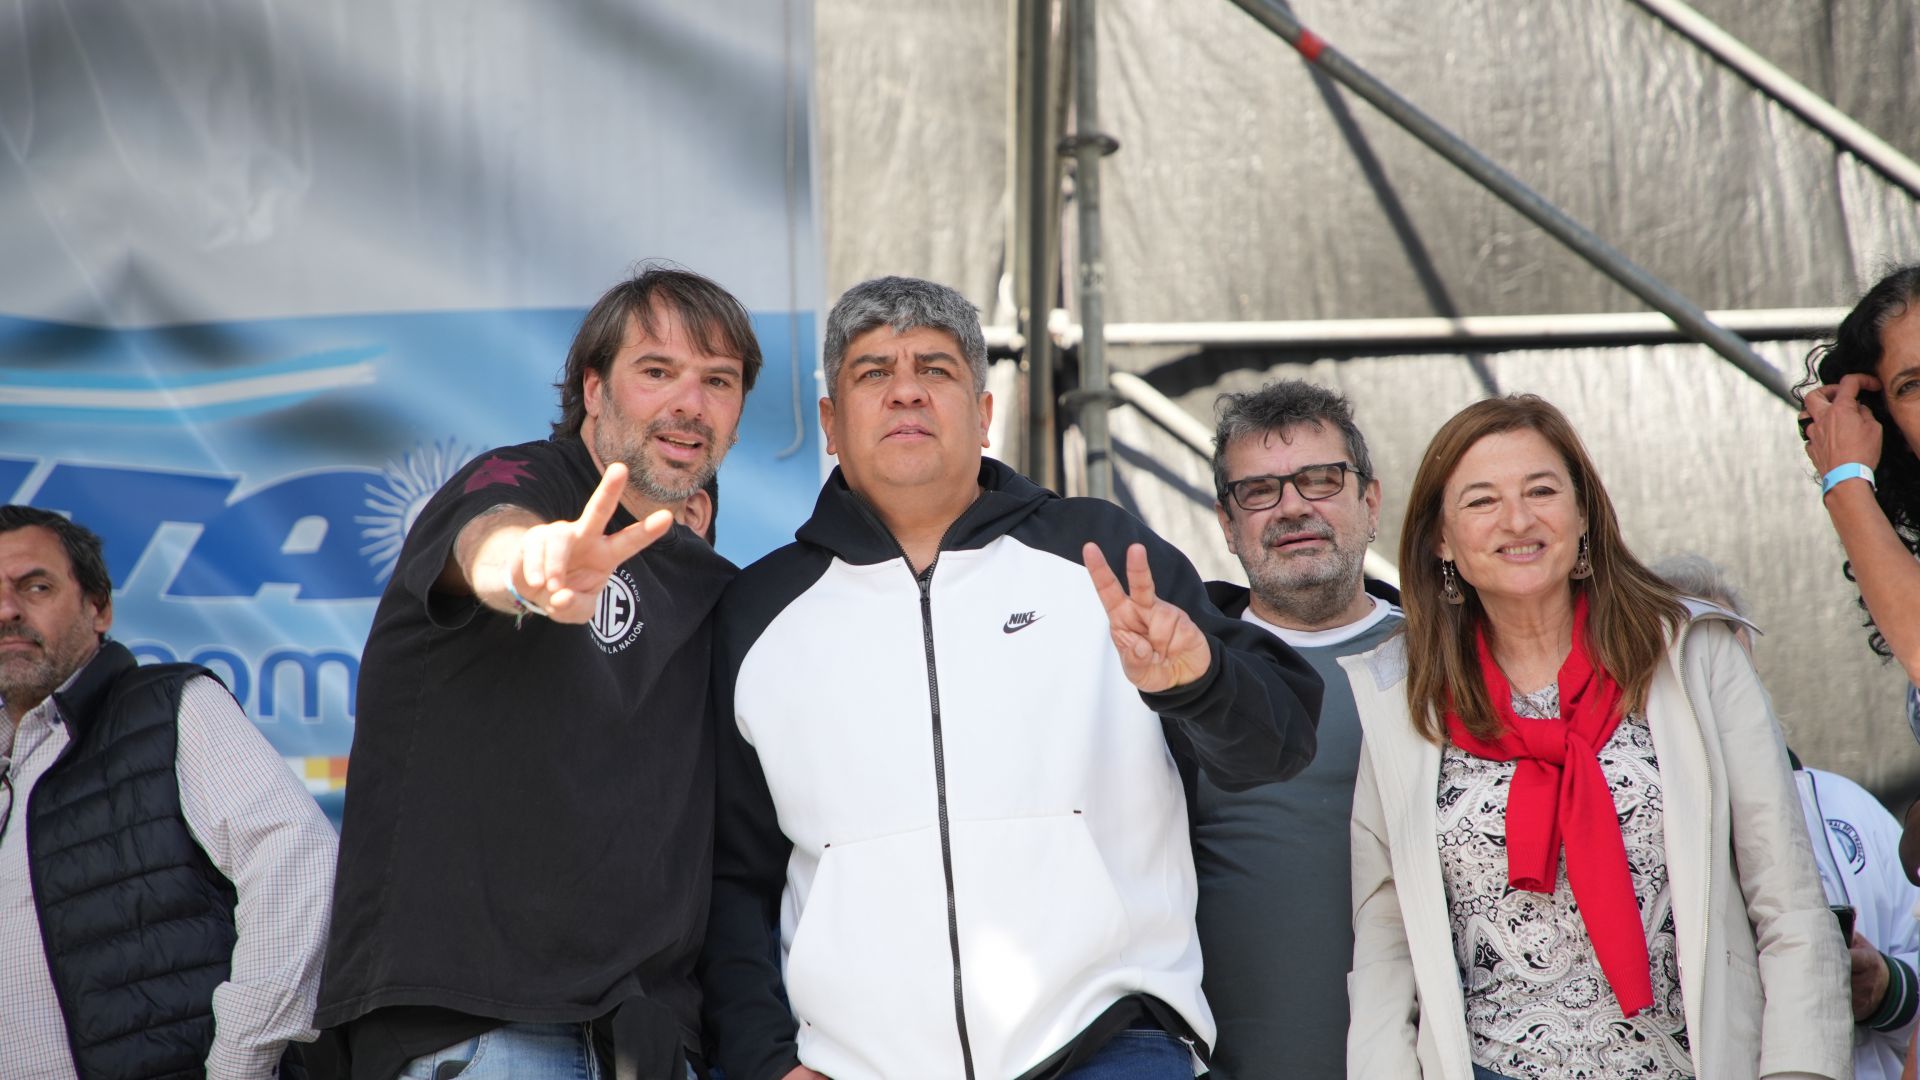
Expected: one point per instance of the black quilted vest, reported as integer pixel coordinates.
(137, 921)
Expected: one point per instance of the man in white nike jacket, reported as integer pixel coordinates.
(952, 825)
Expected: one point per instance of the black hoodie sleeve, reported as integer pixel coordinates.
(1250, 719)
(750, 1028)
(747, 1019)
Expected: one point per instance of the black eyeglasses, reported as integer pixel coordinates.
(6, 792)
(1315, 482)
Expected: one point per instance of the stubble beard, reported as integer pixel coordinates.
(665, 484)
(1309, 590)
(32, 678)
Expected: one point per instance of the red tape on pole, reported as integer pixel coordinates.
(1311, 45)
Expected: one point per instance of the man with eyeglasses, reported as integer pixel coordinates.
(1299, 504)
(164, 878)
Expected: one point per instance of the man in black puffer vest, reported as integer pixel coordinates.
(164, 878)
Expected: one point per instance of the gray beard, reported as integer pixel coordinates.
(641, 478)
(40, 678)
(641, 475)
(1311, 598)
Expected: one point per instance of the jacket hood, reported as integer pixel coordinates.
(1233, 600)
(1698, 610)
(847, 526)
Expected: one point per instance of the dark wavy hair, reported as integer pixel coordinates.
(714, 322)
(1857, 347)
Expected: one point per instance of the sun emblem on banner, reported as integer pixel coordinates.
(395, 501)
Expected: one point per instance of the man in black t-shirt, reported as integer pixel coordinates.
(525, 855)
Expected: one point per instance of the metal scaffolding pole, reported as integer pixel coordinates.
(1658, 294)
(1038, 209)
(1088, 144)
(1464, 332)
(1848, 133)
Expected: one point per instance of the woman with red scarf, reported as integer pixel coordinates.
(1578, 851)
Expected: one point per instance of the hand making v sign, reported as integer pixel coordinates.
(563, 565)
(1160, 647)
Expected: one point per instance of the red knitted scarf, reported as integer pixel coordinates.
(1559, 795)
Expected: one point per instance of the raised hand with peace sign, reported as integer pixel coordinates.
(1160, 647)
(566, 563)
(554, 568)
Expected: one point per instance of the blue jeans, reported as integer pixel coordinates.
(514, 1052)
(1138, 1055)
(1480, 1073)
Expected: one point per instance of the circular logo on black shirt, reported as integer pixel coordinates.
(616, 622)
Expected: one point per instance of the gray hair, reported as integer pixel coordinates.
(904, 304)
(1699, 576)
(1276, 407)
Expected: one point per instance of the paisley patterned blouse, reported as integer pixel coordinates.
(1538, 1006)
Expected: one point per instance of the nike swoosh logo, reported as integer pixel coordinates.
(1020, 621)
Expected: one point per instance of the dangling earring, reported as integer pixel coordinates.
(1450, 584)
(1582, 563)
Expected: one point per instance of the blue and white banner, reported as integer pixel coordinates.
(274, 274)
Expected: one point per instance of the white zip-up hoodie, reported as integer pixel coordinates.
(1763, 972)
(946, 815)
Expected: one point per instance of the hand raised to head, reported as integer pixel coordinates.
(563, 565)
(1160, 647)
(1838, 428)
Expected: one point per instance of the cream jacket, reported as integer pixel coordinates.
(1763, 971)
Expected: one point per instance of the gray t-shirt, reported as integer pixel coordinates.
(1276, 915)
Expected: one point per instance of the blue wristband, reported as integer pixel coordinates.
(1852, 470)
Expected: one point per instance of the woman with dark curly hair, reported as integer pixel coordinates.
(1862, 422)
